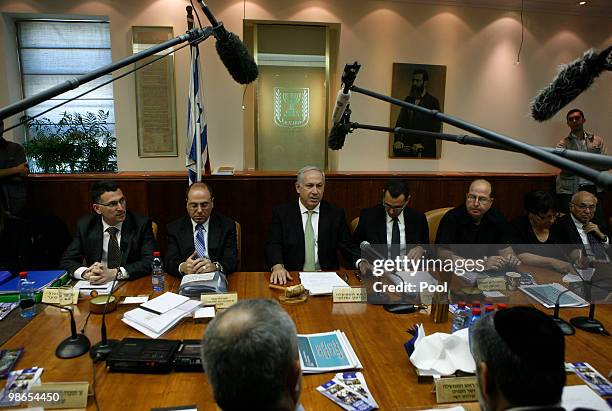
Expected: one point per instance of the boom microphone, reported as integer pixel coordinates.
(338, 133)
(344, 94)
(232, 51)
(572, 80)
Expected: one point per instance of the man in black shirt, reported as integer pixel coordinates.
(475, 222)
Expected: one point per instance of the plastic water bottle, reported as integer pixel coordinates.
(489, 309)
(461, 318)
(157, 273)
(26, 296)
(475, 316)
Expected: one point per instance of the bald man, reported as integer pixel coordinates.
(581, 227)
(475, 222)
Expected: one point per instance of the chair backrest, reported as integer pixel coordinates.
(154, 227)
(238, 244)
(354, 224)
(433, 220)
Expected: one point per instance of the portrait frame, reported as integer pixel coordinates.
(432, 97)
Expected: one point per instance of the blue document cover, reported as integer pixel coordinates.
(41, 280)
(322, 351)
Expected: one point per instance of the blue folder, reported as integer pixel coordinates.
(41, 280)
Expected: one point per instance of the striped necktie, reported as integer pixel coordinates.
(200, 245)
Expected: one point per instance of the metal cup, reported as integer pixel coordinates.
(512, 281)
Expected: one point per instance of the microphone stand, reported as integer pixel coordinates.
(603, 179)
(592, 159)
(75, 345)
(589, 324)
(104, 347)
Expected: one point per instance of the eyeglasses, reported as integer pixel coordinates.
(482, 200)
(582, 206)
(114, 204)
(392, 207)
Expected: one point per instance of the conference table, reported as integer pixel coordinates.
(376, 335)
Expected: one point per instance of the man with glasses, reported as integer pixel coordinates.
(581, 227)
(204, 241)
(113, 242)
(476, 223)
(401, 228)
(578, 139)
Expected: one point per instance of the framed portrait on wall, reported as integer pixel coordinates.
(423, 85)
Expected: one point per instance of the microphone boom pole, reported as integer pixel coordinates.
(594, 160)
(602, 179)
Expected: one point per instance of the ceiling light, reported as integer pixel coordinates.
(582, 2)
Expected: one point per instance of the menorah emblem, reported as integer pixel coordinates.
(291, 107)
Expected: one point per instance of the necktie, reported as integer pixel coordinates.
(200, 246)
(309, 244)
(597, 248)
(114, 252)
(395, 238)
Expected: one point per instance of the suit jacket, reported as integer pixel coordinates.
(564, 231)
(372, 226)
(137, 245)
(286, 237)
(222, 243)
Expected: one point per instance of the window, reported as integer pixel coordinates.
(51, 52)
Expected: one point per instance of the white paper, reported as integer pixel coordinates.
(443, 354)
(493, 294)
(85, 287)
(135, 300)
(321, 283)
(154, 325)
(581, 396)
(189, 278)
(165, 302)
(204, 312)
(571, 278)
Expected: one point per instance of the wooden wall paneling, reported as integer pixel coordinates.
(249, 198)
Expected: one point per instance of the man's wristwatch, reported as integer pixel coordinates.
(121, 275)
(218, 267)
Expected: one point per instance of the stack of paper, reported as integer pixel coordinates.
(321, 283)
(549, 294)
(85, 287)
(325, 352)
(160, 314)
(18, 385)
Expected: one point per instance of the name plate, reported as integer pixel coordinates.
(349, 295)
(492, 284)
(60, 295)
(220, 300)
(52, 395)
(456, 389)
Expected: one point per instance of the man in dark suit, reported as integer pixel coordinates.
(113, 242)
(579, 227)
(402, 228)
(306, 234)
(204, 241)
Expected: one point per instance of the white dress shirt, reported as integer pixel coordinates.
(78, 273)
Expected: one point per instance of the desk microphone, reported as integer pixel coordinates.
(103, 348)
(565, 327)
(75, 345)
(589, 324)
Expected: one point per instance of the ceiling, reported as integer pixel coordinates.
(601, 8)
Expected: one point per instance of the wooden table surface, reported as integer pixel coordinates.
(376, 335)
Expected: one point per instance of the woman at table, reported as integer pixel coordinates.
(534, 243)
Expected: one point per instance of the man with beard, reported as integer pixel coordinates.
(519, 355)
(113, 242)
(409, 146)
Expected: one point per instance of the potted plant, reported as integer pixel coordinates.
(75, 144)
